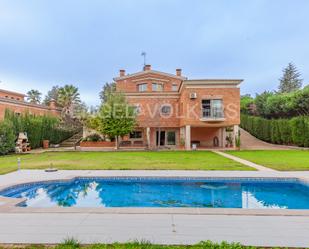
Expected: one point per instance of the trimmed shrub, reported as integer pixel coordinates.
(293, 131)
(7, 137)
(93, 138)
(39, 128)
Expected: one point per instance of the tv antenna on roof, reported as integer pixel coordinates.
(144, 54)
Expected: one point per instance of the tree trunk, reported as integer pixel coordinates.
(116, 143)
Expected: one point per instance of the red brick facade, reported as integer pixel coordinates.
(202, 112)
(15, 102)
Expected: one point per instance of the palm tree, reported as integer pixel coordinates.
(68, 96)
(34, 96)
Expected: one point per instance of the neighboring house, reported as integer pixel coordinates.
(174, 111)
(16, 102)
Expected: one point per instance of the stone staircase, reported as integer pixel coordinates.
(71, 142)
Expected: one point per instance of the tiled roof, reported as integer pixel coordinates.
(11, 92)
(147, 72)
(23, 103)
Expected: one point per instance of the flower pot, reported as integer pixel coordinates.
(45, 144)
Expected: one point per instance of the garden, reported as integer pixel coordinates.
(37, 129)
(282, 116)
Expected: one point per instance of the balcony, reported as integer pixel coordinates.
(213, 114)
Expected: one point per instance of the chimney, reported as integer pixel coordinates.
(52, 105)
(147, 67)
(178, 72)
(122, 72)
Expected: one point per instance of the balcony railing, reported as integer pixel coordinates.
(213, 113)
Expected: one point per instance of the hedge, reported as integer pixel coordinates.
(7, 137)
(39, 128)
(293, 131)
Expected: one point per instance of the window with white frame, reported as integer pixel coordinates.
(212, 108)
(157, 87)
(142, 87)
(174, 87)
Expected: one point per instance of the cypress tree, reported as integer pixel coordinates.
(290, 81)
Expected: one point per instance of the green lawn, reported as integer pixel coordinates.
(182, 160)
(279, 159)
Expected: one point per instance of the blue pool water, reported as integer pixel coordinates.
(143, 192)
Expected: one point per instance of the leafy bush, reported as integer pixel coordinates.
(93, 138)
(7, 137)
(74, 244)
(245, 102)
(39, 128)
(279, 131)
(282, 105)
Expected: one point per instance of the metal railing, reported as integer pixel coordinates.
(213, 113)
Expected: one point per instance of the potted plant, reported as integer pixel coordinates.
(229, 141)
(237, 141)
(45, 144)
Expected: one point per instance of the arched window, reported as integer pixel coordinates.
(166, 109)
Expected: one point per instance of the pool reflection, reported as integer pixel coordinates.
(202, 194)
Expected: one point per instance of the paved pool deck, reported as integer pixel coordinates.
(159, 225)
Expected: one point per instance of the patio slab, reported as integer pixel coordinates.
(24, 176)
(157, 228)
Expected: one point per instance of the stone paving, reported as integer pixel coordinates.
(164, 226)
(249, 142)
(285, 231)
(243, 161)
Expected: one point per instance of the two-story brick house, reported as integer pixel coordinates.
(16, 102)
(174, 111)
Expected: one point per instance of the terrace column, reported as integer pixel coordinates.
(188, 137)
(148, 136)
(223, 140)
(235, 133)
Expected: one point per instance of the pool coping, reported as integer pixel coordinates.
(8, 205)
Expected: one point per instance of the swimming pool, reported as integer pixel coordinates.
(165, 192)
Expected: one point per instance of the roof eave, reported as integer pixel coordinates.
(149, 71)
(213, 81)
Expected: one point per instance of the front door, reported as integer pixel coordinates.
(161, 137)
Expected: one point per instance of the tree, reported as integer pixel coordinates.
(52, 95)
(290, 80)
(260, 102)
(246, 101)
(34, 96)
(68, 96)
(300, 102)
(116, 117)
(80, 111)
(107, 89)
(279, 106)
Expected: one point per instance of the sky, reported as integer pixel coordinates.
(85, 42)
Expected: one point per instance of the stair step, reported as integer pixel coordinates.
(71, 142)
